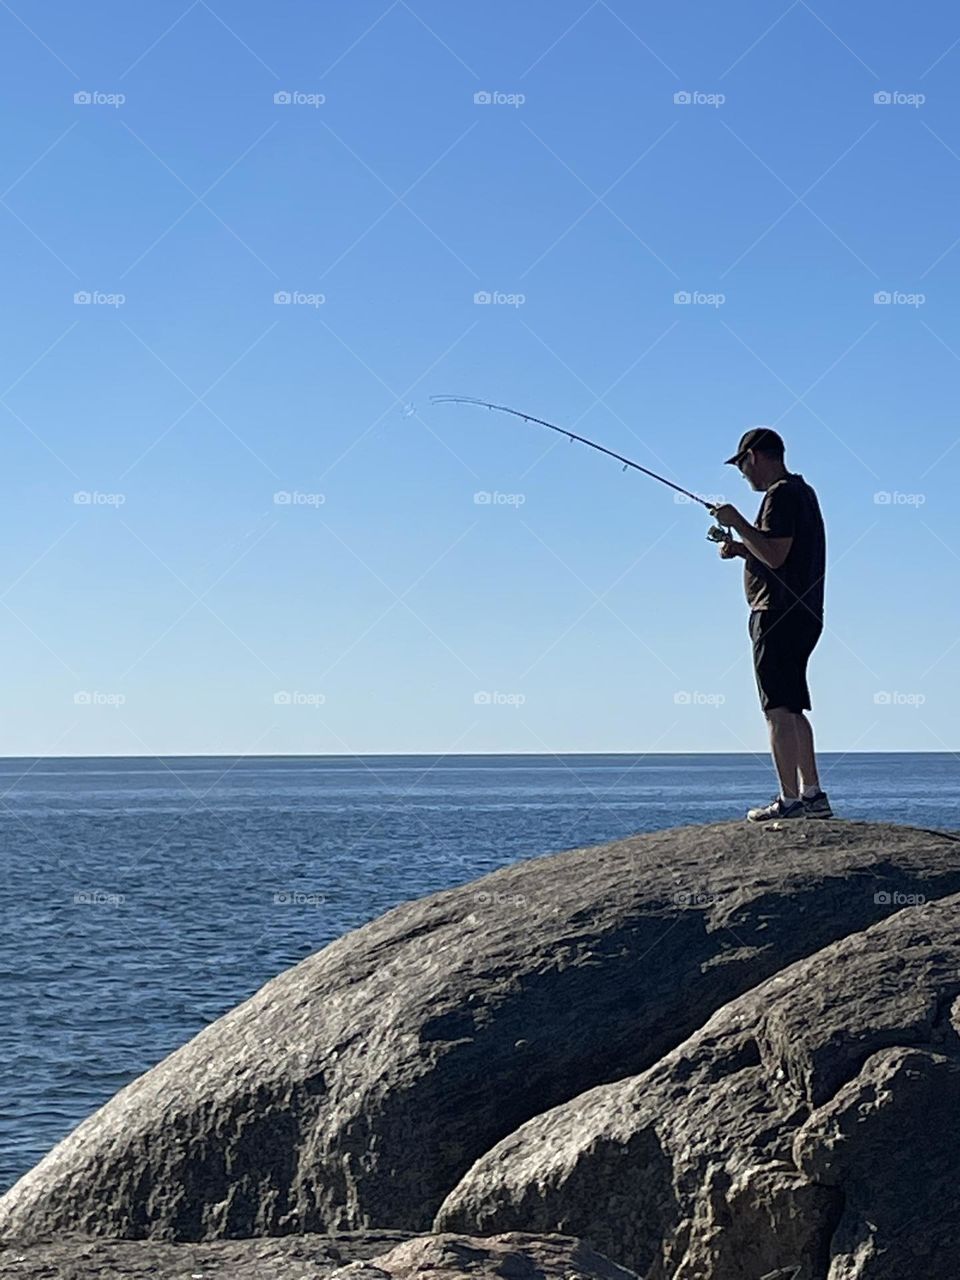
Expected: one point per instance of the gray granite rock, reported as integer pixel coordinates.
(811, 1128)
(77, 1257)
(358, 1088)
(375, 1255)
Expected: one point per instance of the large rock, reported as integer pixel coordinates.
(811, 1129)
(354, 1256)
(357, 1088)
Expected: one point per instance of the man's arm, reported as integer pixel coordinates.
(733, 550)
(769, 550)
(771, 543)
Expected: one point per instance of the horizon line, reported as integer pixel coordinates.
(462, 755)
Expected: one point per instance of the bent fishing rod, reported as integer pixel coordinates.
(716, 534)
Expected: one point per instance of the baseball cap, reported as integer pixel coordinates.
(758, 438)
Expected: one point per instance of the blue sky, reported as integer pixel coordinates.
(160, 599)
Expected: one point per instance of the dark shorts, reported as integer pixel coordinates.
(782, 645)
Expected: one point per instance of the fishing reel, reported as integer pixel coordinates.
(717, 533)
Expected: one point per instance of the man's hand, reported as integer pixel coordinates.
(732, 550)
(756, 542)
(726, 514)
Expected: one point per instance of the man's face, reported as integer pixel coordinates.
(750, 469)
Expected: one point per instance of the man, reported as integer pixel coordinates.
(784, 571)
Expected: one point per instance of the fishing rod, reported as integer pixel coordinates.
(716, 534)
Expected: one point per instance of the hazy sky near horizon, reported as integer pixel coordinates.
(244, 244)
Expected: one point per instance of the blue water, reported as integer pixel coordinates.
(140, 896)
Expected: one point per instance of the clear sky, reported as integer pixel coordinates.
(159, 598)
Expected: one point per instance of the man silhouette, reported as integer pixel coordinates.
(784, 572)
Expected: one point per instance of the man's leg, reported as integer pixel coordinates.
(806, 756)
(785, 745)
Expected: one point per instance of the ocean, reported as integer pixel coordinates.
(143, 898)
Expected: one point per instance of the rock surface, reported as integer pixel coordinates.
(812, 1126)
(77, 1257)
(376, 1255)
(358, 1088)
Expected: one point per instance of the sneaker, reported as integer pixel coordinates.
(818, 806)
(779, 808)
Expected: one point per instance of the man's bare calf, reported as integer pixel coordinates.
(791, 741)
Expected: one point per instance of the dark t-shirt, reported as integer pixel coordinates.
(790, 508)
